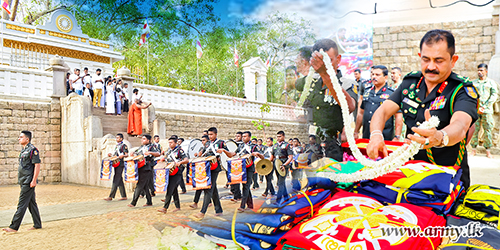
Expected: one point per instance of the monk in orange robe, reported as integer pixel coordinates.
(135, 117)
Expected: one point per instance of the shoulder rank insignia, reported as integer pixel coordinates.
(471, 91)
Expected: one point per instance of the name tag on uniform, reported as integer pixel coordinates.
(312, 129)
(410, 102)
(384, 96)
(438, 103)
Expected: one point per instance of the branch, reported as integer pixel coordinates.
(188, 24)
(31, 19)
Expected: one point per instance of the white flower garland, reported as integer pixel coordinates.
(373, 169)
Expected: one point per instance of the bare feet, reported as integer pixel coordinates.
(175, 210)
(9, 230)
(122, 199)
(194, 206)
(218, 214)
(147, 205)
(130, 205)
(241, 210)
(489, 155)
(34, 228)
(162, 200)
(472, 152)
(108, 199)
(162, 210)
(210, 204)
(198, 216)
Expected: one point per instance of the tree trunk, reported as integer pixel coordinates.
(15, 3)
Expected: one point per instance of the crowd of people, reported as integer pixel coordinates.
(104, 92)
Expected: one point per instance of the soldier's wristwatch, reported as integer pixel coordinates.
(445, 140)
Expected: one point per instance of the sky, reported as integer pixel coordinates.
(323, 14)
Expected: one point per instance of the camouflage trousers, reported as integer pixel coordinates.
(485, 121)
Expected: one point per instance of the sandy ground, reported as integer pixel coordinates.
(134, 228)
(53, 194)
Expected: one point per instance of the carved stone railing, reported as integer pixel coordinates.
(25, 84)
(191, 102)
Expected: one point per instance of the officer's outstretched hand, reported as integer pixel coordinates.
(429, 137)
(376, 147)
(317, 62)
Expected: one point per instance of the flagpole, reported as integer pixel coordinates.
(147, 59)
(197, 74)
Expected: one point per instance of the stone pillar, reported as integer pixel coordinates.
(262, 86)
(249, 83)
(59, 70)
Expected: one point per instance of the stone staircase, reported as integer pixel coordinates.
(113, 124)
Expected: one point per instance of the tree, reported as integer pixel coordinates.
(279, 38)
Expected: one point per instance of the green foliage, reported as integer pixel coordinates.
(175, 26)
(261, 124)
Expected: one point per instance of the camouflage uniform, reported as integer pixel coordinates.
(487, 90)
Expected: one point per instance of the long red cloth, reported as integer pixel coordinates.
(134, 120)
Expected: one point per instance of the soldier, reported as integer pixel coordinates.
(372, 99)
(149, 151)
(297, 149)
(434, 91)
(322, 98)
(282, 151)
(313, 146)
(243, 149)
(269, 192)
(177, 155)
(488, 92)
(28, 170)
(121, 150)
(235, 188)
(213, 148)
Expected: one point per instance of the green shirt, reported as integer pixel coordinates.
(487, 90)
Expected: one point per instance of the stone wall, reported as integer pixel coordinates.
(191, 126)
(399, 45)
(44, 121)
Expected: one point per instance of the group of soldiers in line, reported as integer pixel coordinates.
(212, 146)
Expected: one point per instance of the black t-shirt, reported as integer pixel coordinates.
(442, 102)
(282, 150)
(176, 155)
(209, 150)
(371, 101)
(28, 157)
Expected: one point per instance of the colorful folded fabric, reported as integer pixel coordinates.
(476, 235)
(249, 239)
(481, 203)
(354, 221)
(421, 175)
(440, 203)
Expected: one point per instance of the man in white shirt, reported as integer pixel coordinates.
(98, 84)
(86, 79)
(76, 82)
